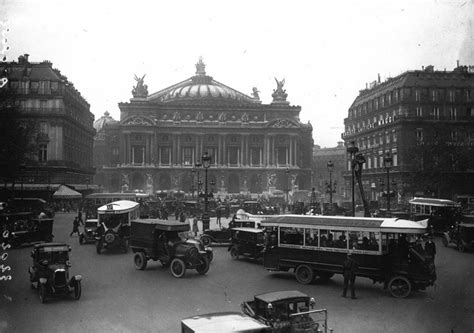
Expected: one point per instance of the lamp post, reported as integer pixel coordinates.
(287, 171)
(313, 201)
(330, 188)
(382, 184)
(352, 150)
(387, 163)
(206, 163)
(195, 170)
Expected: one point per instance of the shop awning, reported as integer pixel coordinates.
(65, 192)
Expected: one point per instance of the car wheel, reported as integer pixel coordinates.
(42, 293)
(98, 246)
(178, 268)
(210, 256)
(206, 240)
(304, 274)
(234, 253)
(77, 290)
(399, 286)
(203, 268)
(461, 246)
(445, 241)
(140, 261)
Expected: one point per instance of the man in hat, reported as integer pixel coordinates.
(349, 268)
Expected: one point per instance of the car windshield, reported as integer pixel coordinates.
(91, 224)
(57, 255)
(113, 220)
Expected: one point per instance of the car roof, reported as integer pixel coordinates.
(38, 246)
(252, 230)
(280, 295)
(223, 322)
(166, 225)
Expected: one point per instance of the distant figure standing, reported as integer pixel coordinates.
(195, 226)
(430, 247)
(75, 227)
(218, 217)
(349, 269)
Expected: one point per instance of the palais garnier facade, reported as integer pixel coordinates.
(255, 148)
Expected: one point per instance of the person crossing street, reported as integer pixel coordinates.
(349, 269)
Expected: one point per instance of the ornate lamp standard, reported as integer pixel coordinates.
(330, 187)
(206, 163)
(352, 150)
(387, 163)
(287, 171)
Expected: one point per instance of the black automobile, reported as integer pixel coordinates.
(223, 235)
(249, 242)
(23, 228)
(287, 311)
(50, 271)
(88, 232)
(160, 240)
(461, 235)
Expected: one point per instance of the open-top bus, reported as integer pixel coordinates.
(315, 247)
(95, 200)
(442, 213)
(114, 224)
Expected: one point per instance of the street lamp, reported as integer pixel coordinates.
(287, 171)
(313, 201)
(330, 188)
(352, 150)
(387, 163)
(206, 163)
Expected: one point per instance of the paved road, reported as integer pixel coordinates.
(118, 298)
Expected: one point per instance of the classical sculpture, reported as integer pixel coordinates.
(255, 93)
(279, 94)
(141, 89)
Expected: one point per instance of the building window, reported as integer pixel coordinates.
(255, 156)
(380, 139)
(43, 127)
(419, 134)
(212, 151)
(419, 111)
(468, 95)
(282, 155)
(394, 136)
(417, 95)
(396, 95)
(454, 136)
(387, 138)
(453, 113)
(233, 155)
(434, 95)
(43, 153)
(451, 96)
(165, 155)
(188, 155)
(436, 113)
(138, 154)
(389, 98)
(115, 151)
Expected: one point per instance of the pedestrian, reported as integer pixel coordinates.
(75, 227)
(349, 269)
(195, 225)
(218, 217)
(430, 247)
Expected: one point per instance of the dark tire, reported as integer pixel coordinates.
(210, 256)
(203, 268)
(140, 261)
(461, 247)
(234, 253)
(77, 290)
(445, 241)
(399, 286)
(206, 240)
(42, 293)
(178, 268)
(304, 274)
(98, 246)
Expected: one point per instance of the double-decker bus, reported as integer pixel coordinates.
(315, 247)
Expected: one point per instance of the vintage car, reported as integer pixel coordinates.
(224, 235)
(223, 322)
(23, 228)
(113, 229)
(88, 231)
(160, 240)
(249, 242)
(50, 271)
(287, 311)
(461, 235)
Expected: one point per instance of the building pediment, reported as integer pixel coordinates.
(283, 123)
(138, 121)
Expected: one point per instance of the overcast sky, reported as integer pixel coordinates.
(326, 51)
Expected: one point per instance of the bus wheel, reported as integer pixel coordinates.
(399, 286)
(304, 274)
